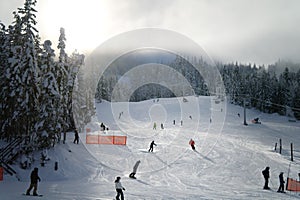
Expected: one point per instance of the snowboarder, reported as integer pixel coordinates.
(34, 178)
(192, 143)
(281, 182)
(154, 126)
(132, 175)
(266, 174)
(151, 146)
(102, 127)
(76, 139)
(119, 188)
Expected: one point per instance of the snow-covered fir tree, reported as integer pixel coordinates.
(36, 91)
(48, 127)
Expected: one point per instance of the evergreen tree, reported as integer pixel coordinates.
(75, 62)
(49, 124)
(62, 81)
(296, 100)
(28, 96)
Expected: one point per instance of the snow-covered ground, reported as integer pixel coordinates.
(227, 164)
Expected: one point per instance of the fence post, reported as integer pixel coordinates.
(280, 145)
(275, 146)
(56, 166)
(292, 156)
(1, 173)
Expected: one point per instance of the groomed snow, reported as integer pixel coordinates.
(227, 164)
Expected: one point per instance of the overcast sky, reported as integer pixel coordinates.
(256, 31)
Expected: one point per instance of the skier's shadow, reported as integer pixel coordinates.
(205, 157)
(143, 182)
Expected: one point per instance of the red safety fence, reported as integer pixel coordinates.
(92, 139)
(88, 130)
(106, 139)
(120, 140)
(293, 185)
(1, 173)
(103, 139)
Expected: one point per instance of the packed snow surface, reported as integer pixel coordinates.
(227, 163)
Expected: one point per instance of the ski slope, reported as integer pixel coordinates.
(227, 163)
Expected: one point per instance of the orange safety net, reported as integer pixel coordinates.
(106, 139)
(120, 140)
(92, 139)
(293, 185)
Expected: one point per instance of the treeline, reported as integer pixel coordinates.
(181, 70)
(265, 89)
(271, 89)
(39, 91)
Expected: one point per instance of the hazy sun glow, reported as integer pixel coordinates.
(84, 22)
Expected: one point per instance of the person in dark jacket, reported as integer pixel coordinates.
(281, 182)
(76, 139)
(34, 178)
(151, 146)
(119, 188)
(135, 167)
(266, 174)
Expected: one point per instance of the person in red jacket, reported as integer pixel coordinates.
(192, 143)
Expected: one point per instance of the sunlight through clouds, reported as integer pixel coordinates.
(85, 22)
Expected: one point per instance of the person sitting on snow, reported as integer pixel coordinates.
(132, 175)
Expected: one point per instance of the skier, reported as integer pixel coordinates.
(151, 146)
(281, 181)
(76, 139)
(154, 126)
(192, 143)
(34, 178)
(132, 175)
(119, 188)
(174, 122)
(266, 174)
(162, 126)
